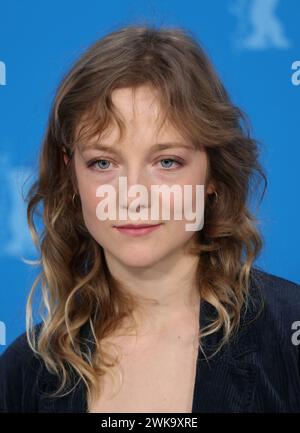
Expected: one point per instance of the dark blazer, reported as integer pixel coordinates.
(259, 371)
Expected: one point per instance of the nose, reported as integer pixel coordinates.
(134, 192)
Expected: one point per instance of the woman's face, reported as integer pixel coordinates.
(136, 159)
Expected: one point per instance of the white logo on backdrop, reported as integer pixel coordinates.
(2, 73)
(2, 334)
(259, 26)
(14, 233)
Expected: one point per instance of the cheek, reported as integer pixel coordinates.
(190, 191)
(89, 202)
(197, 173)
(189, 205)
(197, 176)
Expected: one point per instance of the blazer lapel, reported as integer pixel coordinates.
(226, 382)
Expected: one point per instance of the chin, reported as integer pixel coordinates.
(138, 260)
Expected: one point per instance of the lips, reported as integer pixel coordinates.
(137, 226)
(137, 229)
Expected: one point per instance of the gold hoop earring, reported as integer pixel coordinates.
(217, 196)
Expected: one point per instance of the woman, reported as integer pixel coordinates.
(161, 319)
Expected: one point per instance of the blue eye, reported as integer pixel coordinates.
(172, 161)
(103, 164)
(93, 163)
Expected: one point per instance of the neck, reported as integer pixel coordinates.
(167, 292)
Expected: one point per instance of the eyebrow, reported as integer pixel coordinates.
(154, 148)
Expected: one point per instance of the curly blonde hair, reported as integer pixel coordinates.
(76, 286)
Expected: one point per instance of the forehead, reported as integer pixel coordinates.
(141, 113)
(133, 102)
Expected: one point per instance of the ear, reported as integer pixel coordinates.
(210, 189)
(66, 158)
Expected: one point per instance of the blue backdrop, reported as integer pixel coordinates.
(255, 47)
